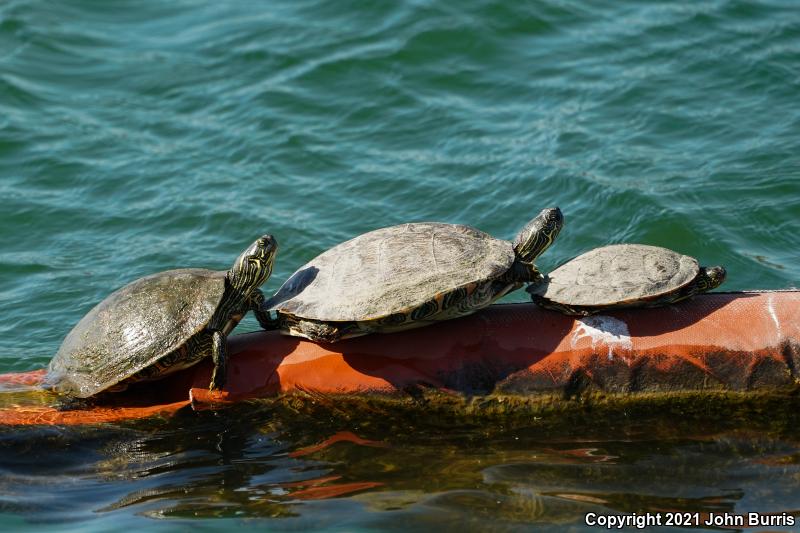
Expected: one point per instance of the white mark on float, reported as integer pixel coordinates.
(602, 329)
(771, 310)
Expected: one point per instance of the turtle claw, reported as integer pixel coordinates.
(217, 378)
(219, 355)
(72, 404)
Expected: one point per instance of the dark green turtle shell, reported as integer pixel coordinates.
(391, 270)
(135, 327)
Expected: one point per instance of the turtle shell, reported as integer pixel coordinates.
(391, 270)
(618, 274)
(134, 327)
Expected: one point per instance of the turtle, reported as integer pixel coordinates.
(623, 275)
(406, 276)
(161, 323)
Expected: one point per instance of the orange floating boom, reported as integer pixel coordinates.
(745, 341)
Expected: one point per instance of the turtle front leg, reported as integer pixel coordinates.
(264, 317)
(523, 272)
(219, 354)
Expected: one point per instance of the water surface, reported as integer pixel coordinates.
(143, 136)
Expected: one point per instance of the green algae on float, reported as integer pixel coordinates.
(774, 409)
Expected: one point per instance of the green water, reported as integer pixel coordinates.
(138, 136)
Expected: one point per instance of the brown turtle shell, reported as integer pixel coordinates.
(618, 274)
(391, 270)
(135, 327)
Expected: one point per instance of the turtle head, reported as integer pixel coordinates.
(711, 278)
(538, 234)
(254, 266)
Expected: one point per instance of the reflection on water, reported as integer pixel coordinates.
(250, 463)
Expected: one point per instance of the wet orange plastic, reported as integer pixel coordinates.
(732, 341)
(729, 341)
(22, 415)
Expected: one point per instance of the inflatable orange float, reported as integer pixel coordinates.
(743, 342)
